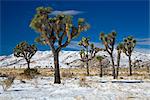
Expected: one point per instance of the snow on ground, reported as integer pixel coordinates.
(45, 58)
(70, 89)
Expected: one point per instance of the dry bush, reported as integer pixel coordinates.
(32, 71)
(7, 71)
(46, 72)
(7, 83)
(66, 74)
(27, 74)
(83, 82)
(23, 76)
(79, 97)
(77, 72)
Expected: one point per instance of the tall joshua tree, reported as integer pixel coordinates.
(100, 58)
(119, 50)
(58, 29)
(87, 53)
(129, 44)
(26, 51)
(109, 41)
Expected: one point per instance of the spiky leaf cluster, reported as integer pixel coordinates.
(99, 58)
(120, 47)
(108, 40)
(84, 42)
(25, 50)
(58, 29)
(93, 50)
(129, 44)
(82, 54)
(87, 46)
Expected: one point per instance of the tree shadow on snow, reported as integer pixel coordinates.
(124, 81)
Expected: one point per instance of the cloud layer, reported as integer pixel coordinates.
(74, 45)
(143, 41)
(140, 41)
(67, 12)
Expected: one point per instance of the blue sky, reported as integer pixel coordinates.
(125, 16)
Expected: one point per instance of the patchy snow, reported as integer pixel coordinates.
(71, 90)
(45, 59)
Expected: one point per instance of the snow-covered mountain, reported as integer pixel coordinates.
(67, 59)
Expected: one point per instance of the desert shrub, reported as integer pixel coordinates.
(31, 72)
(7, 83)
(3, 75)
(23, 77)
(82, 81)
(67, 74)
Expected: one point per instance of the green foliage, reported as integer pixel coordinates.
(129, 44)
(99, 58)
(25, 50)
(42, 10)
(120, 46)
(88, 48)
(82, 53)
(84, 42)
(31, 71)
(56, 29)
(81, 20)
(108, 41)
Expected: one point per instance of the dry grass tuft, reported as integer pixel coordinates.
(77, 72)
(66, 74)
(83, 82)
(7, 83)
(46, 72)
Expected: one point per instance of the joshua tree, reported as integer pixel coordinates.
(100, 58)
(136, 63)
(119, 50)
(26, 51)
(129, 44)
(86, 54)
(58, 29)
(109, 42)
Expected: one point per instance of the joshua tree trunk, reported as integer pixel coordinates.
(56, 64)
(101, 69)
(28, 63)
(87, 68)
(113, 66)
(148, 68)
(118, 64)
(87, 65)
(130, 66)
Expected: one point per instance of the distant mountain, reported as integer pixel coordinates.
(67, 59)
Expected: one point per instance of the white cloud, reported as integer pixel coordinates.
(143, 41)
(67, 12)
(74, 45)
